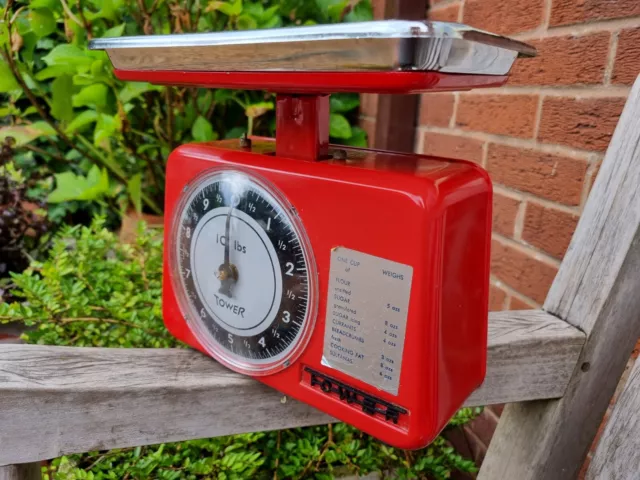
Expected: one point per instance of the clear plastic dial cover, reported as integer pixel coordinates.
(243, 271)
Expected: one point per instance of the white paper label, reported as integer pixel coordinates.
(366, 320)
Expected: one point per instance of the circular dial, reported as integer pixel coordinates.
(243, 272)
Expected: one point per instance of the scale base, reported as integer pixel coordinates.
(427, 217)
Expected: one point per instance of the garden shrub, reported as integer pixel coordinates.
(105, 142)
(22, 222)
(120, 307)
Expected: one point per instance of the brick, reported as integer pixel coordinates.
(513, 115)
(369, 104)
(548, 229)
(456, 437)
(586, 123)
(521, 270)
(499, 16)
(496, 409)
(478, 448)
(448, 13)
(517, 304)
(369, 126)
(547, 175)
(566, 12)
(436, 109)
(452, 146)
(497, 298)
(484, 426)
(636, 351)
(505, 211)
(564, 60)
(627, 64)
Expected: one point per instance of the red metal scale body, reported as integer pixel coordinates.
(431, 214)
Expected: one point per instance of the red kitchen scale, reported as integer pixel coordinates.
(355, 280)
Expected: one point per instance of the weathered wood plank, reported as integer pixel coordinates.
(24, 471)
(58, 400)
(617, 456)
(531, 356)
(596, 290)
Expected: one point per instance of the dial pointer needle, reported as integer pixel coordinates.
(227, 272)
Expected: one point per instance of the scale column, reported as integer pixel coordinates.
(302, 126)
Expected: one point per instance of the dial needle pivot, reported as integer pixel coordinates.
(227, 272)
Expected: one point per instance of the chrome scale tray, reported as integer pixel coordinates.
(388, 45)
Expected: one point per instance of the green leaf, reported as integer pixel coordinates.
(29, 43)
(269, 13)
(222, 95)
(24, 134)
(231, 9)
(50, 4)
(272, 22)
(339, 126)
(116, 31)
(108, 10)
(362, 12)
(61, 91)
(253, 9)
(7, 81)
(53, 72)
(92, 96)
(42, 22)
(133, 90)
(235, 132)
(202, 131)
(358, 138)
(70, 186)
(257, 109)
(106, 128)
(344, 102)
(4, 34)
(81, 120)
(246, 22)
(69, 55)
(333, 8)
(134, 187)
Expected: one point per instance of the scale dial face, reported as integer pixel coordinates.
(243, 271)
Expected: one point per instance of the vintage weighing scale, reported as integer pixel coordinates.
(354, 280)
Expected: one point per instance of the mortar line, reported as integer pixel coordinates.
(613, 49)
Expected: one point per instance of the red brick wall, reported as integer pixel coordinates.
(542, 136)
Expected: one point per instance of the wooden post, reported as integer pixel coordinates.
(60, 400)
(617, 456)
(597, 291)
(397, 114)
(22, 471)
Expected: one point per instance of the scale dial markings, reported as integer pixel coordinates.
(243, 271)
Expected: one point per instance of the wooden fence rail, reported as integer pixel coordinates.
(569, 358)
(60, 400)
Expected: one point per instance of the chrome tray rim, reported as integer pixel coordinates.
(381, 29)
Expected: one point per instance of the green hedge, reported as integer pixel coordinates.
(95, 291)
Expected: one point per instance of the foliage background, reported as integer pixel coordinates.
(91, 143)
